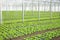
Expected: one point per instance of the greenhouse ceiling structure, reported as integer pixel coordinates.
(26, 5)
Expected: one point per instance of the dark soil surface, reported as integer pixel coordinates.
(35, 33)
(56, 38)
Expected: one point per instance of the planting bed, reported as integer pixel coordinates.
(13, 26)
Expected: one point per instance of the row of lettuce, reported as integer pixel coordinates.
(45, 36)
(19, 29)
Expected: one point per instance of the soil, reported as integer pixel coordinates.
(35, 33)
(56, 38)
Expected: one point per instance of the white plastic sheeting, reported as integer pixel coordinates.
(12, 4)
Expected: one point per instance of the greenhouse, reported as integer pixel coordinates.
(29, 19)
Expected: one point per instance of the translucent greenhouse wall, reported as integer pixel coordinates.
(29, 10)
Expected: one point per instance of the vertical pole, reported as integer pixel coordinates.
(58, 7)
(16, 14)
(54, 10)
(38, 11)
(58, 10)
(9, 8)
(7, 14)
(50, 9)
(23, 10)
(32, 8)
(44, 4)
(1, 14)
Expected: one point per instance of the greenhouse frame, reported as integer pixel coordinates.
(27, 5)
(29, 19)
